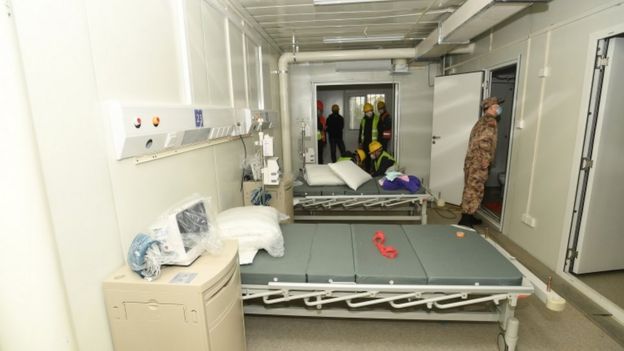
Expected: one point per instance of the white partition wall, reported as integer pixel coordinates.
(29, 264)
(548, 113)
(80, 53)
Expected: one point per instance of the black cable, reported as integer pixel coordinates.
(245, 159)
(453, 215)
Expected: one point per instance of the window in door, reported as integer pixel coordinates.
(356, 106)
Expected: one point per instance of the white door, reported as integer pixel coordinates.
(601, 240)
(456, 100)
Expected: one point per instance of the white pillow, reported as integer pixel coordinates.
(350, 173)
(255, 227)
(321, 175)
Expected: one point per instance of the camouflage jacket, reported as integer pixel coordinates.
(482, 143)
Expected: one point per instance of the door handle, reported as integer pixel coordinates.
(434, 138)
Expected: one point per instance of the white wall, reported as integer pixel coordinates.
(415, 103)
(545, 153)
(79, 53)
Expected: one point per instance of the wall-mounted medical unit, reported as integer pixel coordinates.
(145, 129)
(140, 130)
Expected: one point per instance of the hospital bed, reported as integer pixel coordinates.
(440, 272)
(339, 202)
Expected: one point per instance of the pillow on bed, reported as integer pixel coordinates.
(350, 173)
(321, 175)
(255, 227)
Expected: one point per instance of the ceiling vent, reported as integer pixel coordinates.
(400, 66)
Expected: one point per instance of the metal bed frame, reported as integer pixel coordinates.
(405, 302)
(414, 204)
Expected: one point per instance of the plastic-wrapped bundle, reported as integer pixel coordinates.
(144, 256)
(178, 237)
(255, 227)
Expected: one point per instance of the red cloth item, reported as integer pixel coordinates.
(387, 251)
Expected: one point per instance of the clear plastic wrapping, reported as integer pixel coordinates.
(178, 237)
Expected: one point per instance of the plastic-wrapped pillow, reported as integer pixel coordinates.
(321, 175)
(350, 173)
(255, 227)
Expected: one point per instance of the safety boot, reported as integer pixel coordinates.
(466, 220)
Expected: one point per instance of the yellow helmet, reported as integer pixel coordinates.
(361, 154)
(368, 107)
(374, 146)
(380, 104)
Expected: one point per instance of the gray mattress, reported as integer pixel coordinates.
(427, 254)
(371, 187)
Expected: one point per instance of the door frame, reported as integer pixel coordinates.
(396, 116)
(486, 92)
(616, 311)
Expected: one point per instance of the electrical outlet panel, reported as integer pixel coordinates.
(529, 220)
(249, 121)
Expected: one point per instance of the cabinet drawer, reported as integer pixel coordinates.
(219, 299)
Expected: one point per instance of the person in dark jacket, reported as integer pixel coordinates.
(334, 127)
(385, 125)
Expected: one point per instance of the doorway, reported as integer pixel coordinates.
(351, 99)
(502, 84)
(594, 247)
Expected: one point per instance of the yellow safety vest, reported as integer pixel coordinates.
(381, 157)
(374, 130)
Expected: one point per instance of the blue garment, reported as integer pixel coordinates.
(412, 186)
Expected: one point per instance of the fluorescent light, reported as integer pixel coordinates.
(363, 39)
(342, 2)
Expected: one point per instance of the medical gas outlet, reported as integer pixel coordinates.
(140, 130)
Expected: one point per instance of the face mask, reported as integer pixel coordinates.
(373, 156)
(499, 110)
(382, 110)
(369, 114)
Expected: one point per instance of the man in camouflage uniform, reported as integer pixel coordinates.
(479, 157)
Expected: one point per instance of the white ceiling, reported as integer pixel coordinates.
(309, 24)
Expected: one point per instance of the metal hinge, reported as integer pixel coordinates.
(602, 62)
(9, 9)
(572, 254)
(589, 163)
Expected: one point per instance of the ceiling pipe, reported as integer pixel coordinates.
(319, 56)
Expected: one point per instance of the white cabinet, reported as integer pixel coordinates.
(187, 308)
